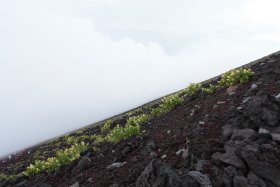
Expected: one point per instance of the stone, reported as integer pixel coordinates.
(227, 131)
(229, 159)
(84, 163)
(241, 134)
(168, 131)
(254, 86)
(239, 108)
(276, 137)
(277, 97)
(157, 174)
(201, 122)
(21, 183)
(179, 152)
(116, 165)
(246, 99)
(263, 131)
(221, 102)
(201, 164)
(253, 179)
(76, 184)
(150, 147)
(241, 181)
(215, 107)
(163, 156)
(185, 154)
(202, 179)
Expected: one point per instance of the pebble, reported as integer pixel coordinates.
(215, 106)
(263, 131)
(168, 131)
(239, 108)
(276, 137)
(76, 184)
(201, 122)
(245, 99)
(163, 156)
(113, 151)
(179, 152)
(221, 102)
(253, 86)
(116, 165)
(185, 154)
(262, 64)
(277, 97)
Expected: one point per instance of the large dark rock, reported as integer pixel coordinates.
(158, 174)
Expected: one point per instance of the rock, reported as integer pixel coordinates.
(254, 180)
(221, 102)
(241, 181)
(267, 171)
(276, 137)
(277, 97)
(246, 99)
(215, 107)
(239, 108)
(84, 163)
(158, 174)
(241, 134)
(201, 164)
(229, 159)
(153, 154)
(22, 183)
(201, 122)
(185, 154)
(116, 165)
(76, 184)
(202, 179)
(179, 152)
(232, 90)
(227, 131)
(163, 156)
(168, 131)
(254, 86)
(263, 131)
(150, 147)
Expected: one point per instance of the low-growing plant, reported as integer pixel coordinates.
(97, 139)
(121, 133)
(210, 89)
(233, 77)
(137, 120)
(191, 90)
(106, 127)
(168, 103)
(62, 157)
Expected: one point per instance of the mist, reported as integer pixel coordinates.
(65, 64)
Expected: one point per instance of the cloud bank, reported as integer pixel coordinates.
(66, 63)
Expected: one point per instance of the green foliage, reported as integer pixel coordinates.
(167, 104)
(137, 120)
(233, 77)
(136, 112)
(210, 89)
(121, 133)
(192, 89)
(97, 139)
(62, 157)
(106, 127)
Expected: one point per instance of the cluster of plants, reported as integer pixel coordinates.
(233, 77)
(191, 90)
(62, 157)
(106, 127)
(168, 103)
(210, 89)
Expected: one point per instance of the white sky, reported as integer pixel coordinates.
(67, 63)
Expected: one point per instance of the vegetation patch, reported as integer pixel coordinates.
(233, 77)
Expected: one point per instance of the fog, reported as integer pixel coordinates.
(65, 64)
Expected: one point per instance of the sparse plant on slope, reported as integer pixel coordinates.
(168, 103)
(191, 90)
(233, 77)
(121, 133)
(62, 157)
(106, 127)
(210, 89)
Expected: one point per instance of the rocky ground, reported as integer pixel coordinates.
(229, 138)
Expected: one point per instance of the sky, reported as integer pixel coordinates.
(65, 64)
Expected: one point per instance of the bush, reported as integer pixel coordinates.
(233, 77)
(168, 103)
(106, 127)
(210, 89)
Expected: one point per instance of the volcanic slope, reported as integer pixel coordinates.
(225, 135)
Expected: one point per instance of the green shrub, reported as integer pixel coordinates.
(121, 133)
(167, 104)
(192, 89)
(210, 89)
(62, 157)
(233, 77)
(137, 120)
(106, 127)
